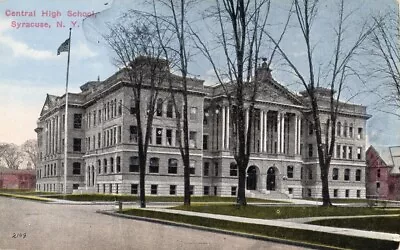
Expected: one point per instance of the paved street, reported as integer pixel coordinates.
(51, 226)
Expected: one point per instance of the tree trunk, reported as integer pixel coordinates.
(241, 198)
(326, 201)
(142, 169)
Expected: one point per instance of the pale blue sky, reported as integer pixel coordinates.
(30, 67)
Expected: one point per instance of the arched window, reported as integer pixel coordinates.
(154, 165)
(233, 169)
(339, 129)
(159, 107)
(347, 174)
(118, 164)
(289, 171)
(99, 166)
(358, 175)
(134, 164)
(335, 174)
(111, 165)
(105, 166)
(76, 168)
(172, 166)
(170, 109)
(120, 107)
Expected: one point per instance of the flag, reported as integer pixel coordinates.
(64, 47)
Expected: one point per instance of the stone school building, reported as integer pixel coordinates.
(102, 143)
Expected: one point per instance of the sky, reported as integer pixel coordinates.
(30, 67)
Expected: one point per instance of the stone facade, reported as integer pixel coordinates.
(284, 153)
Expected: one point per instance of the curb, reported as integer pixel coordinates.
(216, 230)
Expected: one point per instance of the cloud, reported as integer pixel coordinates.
(82, 51)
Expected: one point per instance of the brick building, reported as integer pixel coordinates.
(17, 179)
(383, 180)
(102, 149)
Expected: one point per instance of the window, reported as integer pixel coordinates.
(350, 155)
(347, 174)
(206, 168)
(339, 129)
(159, 107)
(98, 140)
(301, 173)
(76, 168)
(216, 168)
(346, 127)
(132, 109)
(105, 166)
(170, 109)
(134, 188)
(154, 165)
(335, 174)
(153, 189)
(191, 189)
(159, 136)
(172, 189)
(168, 133)
(215, 190)
(112, 109)
(310, 174)
(309, 193)
(192, 167)
(177, 138)
(134, 164)
(110, 188)
(233, 191)
(77, 120)
(378, 173)
(358, 175)
(94, 118)
(192, 139)
(206, 115)
(112, 165)
(193, 113)
(358, 193)
(359, 153)
(75, 186)
(172, 166)
(133, 137)
(351, 133)
(99, 116)
(120, 107)
(119, 134)
(310, 150)
(77, 145)
(206, 190)
(310, 128)
(359, 134)
(335, 193)
(205, 142)
(347, 193)
(344, 152)
(338, 151)
(99, 166)
(233, 171)
(378, 185)
(118, 170)
(289, 172)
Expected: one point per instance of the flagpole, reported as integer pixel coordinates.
(66, 119)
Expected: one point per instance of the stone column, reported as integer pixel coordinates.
(296, 133)
(283, 133)
(279, 132)
(227, 127)
(223, 128)
(261, 146)
(86, 175)
(299, 136)
(265, 131)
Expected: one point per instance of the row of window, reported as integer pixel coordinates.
(164, 134)
(154, 165)
(342, 152)
(335, 193)
(346, 175)
(51, 170)
(172, 190)
(111, 109)
(104, 169)
(345, 130)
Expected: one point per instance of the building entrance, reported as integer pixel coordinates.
(251, 180)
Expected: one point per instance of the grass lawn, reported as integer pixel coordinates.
(335, 201)
(108, 197)
(284, 212)
(25, 196)
(296, 235)
(379, 224)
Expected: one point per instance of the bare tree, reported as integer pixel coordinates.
(241, 27)
(385, 61)
(12, 156)
(340, 67)
(30, 148)
(173, 20)
(136, 48)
